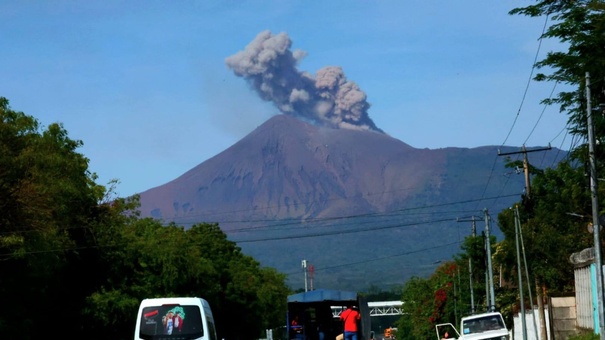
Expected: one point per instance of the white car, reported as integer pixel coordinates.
(484, 326)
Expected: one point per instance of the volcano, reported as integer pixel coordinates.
(358, 206)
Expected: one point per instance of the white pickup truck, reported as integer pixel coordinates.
(484, 326)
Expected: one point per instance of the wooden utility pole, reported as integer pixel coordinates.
(540, 290)
(524, 151)
(491, 306)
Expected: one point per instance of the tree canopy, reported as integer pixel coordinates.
(69, 252)
(554, 218)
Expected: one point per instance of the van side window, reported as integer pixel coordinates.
(211, 330)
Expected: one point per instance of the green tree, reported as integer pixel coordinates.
(554, 228)
(580, 26)
(417, 308)
(48, 200)
(473, 248)
(70, 251)
(153, 260)
(428, 302)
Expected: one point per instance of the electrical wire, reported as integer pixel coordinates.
(531, 75)
(541, 114)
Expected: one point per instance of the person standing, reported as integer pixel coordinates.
(351, 318)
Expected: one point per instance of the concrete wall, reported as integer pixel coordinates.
(532, 327)
(563, 317)
(561, 322)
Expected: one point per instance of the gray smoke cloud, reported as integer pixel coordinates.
(269, 65)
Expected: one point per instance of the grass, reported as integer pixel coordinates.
(586, 336)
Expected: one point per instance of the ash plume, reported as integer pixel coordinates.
(329, 99)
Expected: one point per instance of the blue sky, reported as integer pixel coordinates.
(145, 85)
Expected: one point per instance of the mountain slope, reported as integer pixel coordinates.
(353, 203)
(287, 168)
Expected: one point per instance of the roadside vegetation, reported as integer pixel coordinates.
(76, 262)
(555, 214)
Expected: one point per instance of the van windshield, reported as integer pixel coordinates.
(483, 324)
(171, 322)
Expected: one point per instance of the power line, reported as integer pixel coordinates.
(531, 74)
(24, 230)
(378, 258)
(541, 114)
(294, 221)
(341, 232)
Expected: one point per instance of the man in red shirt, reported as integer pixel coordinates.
(350, 317)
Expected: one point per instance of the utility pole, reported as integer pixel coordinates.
(524, 151)
(304, 267)
(595, 209)
(539, 295)
(517, 232)
(488, 249)
(470, 263)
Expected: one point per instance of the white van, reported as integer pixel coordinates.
(175, 318)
